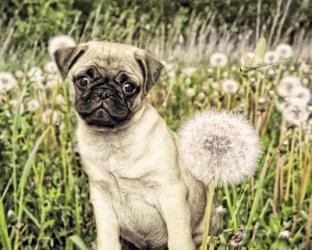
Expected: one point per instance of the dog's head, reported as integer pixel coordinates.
(110, 80)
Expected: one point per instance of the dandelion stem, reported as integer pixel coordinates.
(208, 210)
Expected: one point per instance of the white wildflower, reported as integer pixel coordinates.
(229, 86)
(284, 234)
(190, 92)
(220, 210)
(33, 105)
(59, 42)
(219, 147)
(189, 71)
(35, 75)
(7, 82)
(284, 51)
(50, 116)
(50, 67)
(295, 115)
(288, 85)
(218, 59)
(60, 100)
(270, 57)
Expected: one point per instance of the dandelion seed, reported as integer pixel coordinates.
(189, 71)
(19, 74)
(50, 67)
(220, 210)
(295, 115)
(303, 94)
(190, 92)
(288, 85)
(59, 42)
(221, 148)
(229, 86)
(35, 75)
(270, 57)
(50, 116)
(7, 82)
(218, 60)
(284, 51)
(33, 105)
(284, 234)
(201, 96)
(261, 100)
(60, 100)
(215, 85)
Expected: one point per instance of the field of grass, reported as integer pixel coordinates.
(44, 198)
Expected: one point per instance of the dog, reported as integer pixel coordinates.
(143, 196)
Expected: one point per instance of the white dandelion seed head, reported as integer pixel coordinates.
(219, 147)
(302, 93)
(261, 100)
(249, 55)
(189, 71)
(288, 85)
(33, 105)
(35, 75)
(7, 82)
(201, 96)
(284, 51)
(296, 102)
(215, 85)
(284, 234)
(229, 86)
(295, 115)
(220, 210)
(218, 59)
(60, 100)
(19, 74)
(50, 116)
(270, 57)
(59, 42)
(50, 67)
(190, 92)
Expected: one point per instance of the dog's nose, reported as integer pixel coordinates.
(103, 95)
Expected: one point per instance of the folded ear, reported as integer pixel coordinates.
(65, 58)
(150, 67)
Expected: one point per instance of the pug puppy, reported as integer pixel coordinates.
(141, 192)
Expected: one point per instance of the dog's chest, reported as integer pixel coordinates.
(132, 182)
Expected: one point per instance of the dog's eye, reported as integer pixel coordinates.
(129, 88)
(83, 82)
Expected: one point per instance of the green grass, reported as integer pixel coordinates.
(44, 193)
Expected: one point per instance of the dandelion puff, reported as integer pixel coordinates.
(220, 210)
(50, 67)
(60, 100)
(288, 85)
(302, 93)
(295, 115)
(284, 51)
(7, 82)
(33, 105)
(221, 148)
(189, 71)
(50, 115)
(229, 86)
(35, 75)
(270, 57)
(284, 234)
(59, 42)
(190, 92)
(218, 60)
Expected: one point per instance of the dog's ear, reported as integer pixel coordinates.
(65, 58)
(151, 69)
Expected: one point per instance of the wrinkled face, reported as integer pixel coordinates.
(110, 81)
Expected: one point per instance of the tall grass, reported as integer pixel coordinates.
(44, 193)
